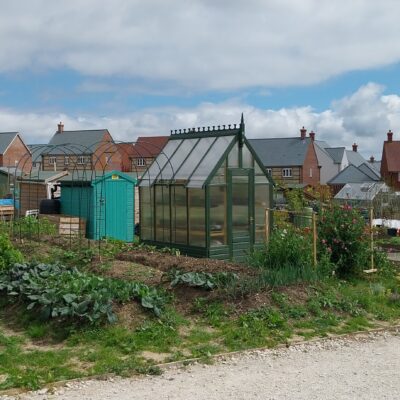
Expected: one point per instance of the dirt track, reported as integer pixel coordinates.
(364, 367)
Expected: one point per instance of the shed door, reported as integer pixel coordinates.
(119, 210)
(241, 215)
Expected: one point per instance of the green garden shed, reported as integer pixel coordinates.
(106, 201)
(206, 194)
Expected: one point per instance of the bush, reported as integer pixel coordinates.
(57, 291)
(342, 235)
(287, 258)
(8, 254)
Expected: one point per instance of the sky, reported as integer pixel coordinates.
(143, 68)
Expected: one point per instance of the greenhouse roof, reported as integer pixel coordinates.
(191, 157)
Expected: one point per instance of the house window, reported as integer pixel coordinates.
(310, 172)
(140, 162)
(66, 160)
(269, 170)
(52, 160)
(108, 159)
(287, 172)
(81, 160)
(398, 176)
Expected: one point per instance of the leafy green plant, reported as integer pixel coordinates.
(287, 258)
(60, 292)
(28, 226)
(8, 254)
(202, 280)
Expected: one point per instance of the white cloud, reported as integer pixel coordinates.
(201, 44)
(364, 118)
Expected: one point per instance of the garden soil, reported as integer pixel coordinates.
(364, 366)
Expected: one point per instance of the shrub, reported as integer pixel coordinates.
(57, 291)
(342, 236)
(8, 254)
(287, 258)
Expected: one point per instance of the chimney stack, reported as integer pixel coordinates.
(390, 136)
(372, 159)
(60, 127)
(312, 135)
(303, 132)
(355, 147)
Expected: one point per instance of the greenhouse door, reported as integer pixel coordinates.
(240, 213)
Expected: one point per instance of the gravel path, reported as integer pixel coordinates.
(366, 366)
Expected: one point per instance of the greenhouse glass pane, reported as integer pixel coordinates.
(195, 157)
(220, 176)
(162, 210)
(247, 158)
(179, 214)
(197, 220)
(146, 213)
(177, 159)
(159, 163)
(210, 161)
(261, 200)
(233, 157)
(218, 206)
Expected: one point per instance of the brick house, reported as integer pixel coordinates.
(14, 152)
(291, 161)
(145, 150)
(390, 164)
(81, 150)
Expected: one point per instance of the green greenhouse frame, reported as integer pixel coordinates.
(206, 194)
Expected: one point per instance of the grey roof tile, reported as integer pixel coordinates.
(279, 152)
(5, 139)
(75, 142)
(351, 174)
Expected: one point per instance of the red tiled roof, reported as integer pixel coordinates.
(392, 153)
(149, 146)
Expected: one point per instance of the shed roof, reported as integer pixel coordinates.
(361, 191)
(5, 140)
(277, 152)
(75, 142)
(42, 176)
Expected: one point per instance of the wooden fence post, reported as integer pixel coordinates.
(314, 225)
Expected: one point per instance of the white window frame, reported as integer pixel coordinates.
(140, 162)
(269, 170)
(52, 160)
(286, 172)
(66, 160)
(81, 160)
(310, 172)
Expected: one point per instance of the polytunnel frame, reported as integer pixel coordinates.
(109, 148)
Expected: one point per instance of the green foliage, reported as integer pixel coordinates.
(202, 280)
(343, 236)
(286, 259)
(66, 293)
(8, 254)
(28, 226)
(295, 199)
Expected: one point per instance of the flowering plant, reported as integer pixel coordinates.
(342, 234)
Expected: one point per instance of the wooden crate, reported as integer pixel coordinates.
(6, 213)
(66, 224)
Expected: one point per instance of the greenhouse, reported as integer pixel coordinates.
(206, 194)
